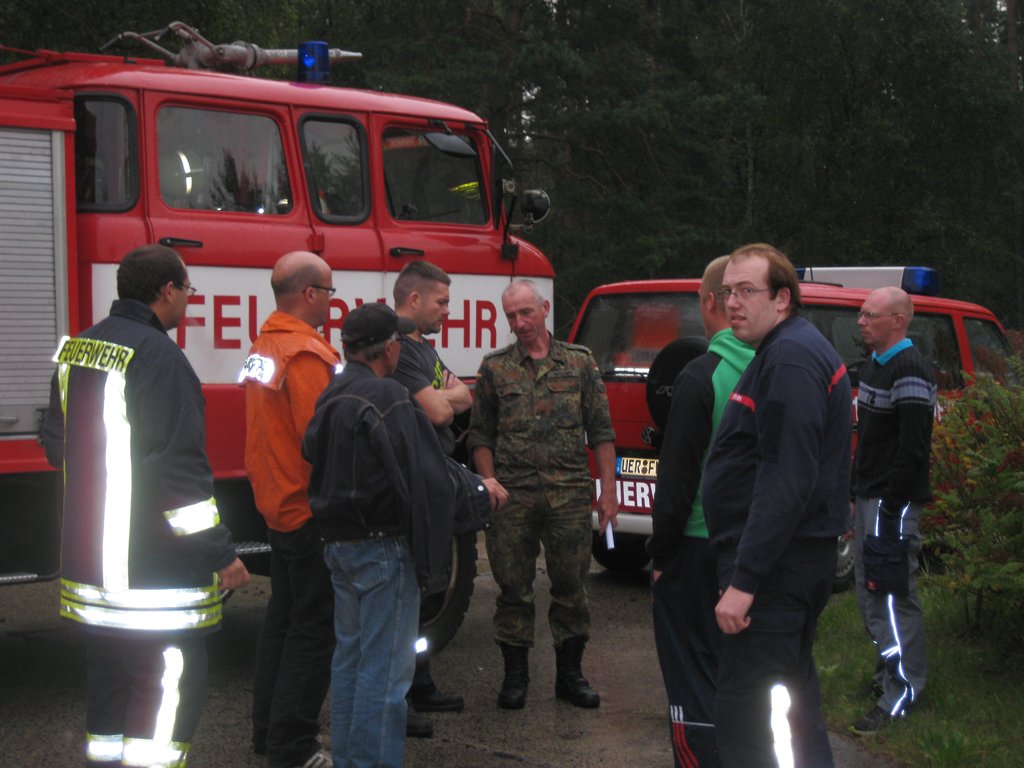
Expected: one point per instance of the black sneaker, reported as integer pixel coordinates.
(871, 723)
(417, 726)
(427, 698)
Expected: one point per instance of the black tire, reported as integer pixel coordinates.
(441, 615)
(844, 564)
(629, 556)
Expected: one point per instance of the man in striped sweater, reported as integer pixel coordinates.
(895, 406)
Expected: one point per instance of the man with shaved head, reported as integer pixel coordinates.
(288, 367)
(895, 407)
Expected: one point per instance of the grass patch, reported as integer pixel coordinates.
(972, 707)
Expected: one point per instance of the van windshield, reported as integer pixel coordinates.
(626, 331)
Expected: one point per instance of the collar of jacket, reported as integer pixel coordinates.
(136, 310)
(556, 350)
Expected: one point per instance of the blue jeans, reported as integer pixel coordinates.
(376, 613)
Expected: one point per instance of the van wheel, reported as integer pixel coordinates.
(629, 556)
(844, 564)
(442, 614)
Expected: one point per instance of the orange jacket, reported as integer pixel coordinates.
(288, 367)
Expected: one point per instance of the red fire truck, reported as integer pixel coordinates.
(102, 153)
(643, 332)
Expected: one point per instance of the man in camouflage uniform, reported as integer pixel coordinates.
(538, 403)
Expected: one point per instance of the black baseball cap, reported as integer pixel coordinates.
(371, 324)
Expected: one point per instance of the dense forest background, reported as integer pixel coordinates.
(669, 131)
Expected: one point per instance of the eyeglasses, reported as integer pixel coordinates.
(876, 315)
(330, 291)
(740, 293)
(188, 288)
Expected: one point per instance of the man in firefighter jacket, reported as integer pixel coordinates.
(144, 557)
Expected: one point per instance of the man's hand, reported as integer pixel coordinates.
(733, 611)
(607, 507)
(498, 493)
(234, 575)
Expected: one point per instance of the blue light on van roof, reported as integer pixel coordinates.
(923, 281)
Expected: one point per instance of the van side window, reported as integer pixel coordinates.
(221, 161)
(334, 154)
(106, 154)
(933, 336)
(989, 348)
(839, 326)
(433, 176)
(935, 339)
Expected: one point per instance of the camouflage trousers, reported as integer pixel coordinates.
(513, 544)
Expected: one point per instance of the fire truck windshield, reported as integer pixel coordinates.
(426, 182)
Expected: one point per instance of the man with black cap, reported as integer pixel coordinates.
(387, 531)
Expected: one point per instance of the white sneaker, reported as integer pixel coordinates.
(320, 759)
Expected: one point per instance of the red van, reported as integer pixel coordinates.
(627, 325)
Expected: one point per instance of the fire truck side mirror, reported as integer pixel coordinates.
(536, 205)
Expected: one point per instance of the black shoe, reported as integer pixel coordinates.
(517, 676)
(570, 684)
(426, 698)
(417, 726)
(871, 723)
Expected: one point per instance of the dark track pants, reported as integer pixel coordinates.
(293, 658)
(144, 699)
(688, 641)
(776, 650)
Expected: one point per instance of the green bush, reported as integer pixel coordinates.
(975, 528)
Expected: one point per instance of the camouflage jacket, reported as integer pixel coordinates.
(537, 416)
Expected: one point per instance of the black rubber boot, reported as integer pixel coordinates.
(569, 681)
(517, 676)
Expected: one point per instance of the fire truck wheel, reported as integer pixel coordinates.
(844, 564)
(442, 614)
(629, 556)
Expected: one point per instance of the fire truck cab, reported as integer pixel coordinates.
(642, 333)
(101, 153)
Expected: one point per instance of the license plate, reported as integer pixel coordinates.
(631, 466)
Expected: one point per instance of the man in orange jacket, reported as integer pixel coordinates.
(288, 367)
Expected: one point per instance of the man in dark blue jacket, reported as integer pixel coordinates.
(776, 496)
